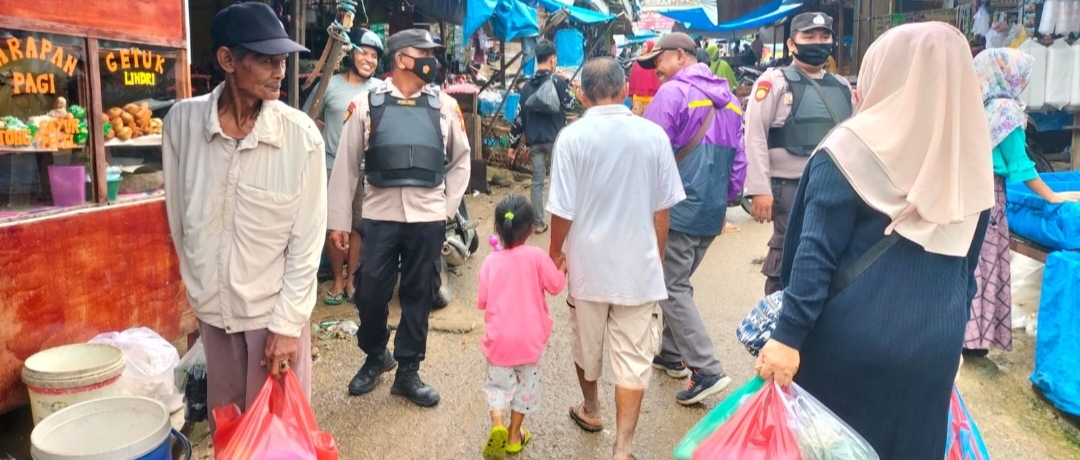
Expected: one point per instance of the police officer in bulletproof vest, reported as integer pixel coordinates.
(412, 139)
(790, 111)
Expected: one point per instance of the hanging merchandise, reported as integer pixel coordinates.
(982, 21)
(1074, 18)
(999, 35)
(1050, 12)
(1074, 93)
(1059, 73)
(570, 46)
(1064, 18)
(1028, 17)
(1020, 38)
(1034, 96)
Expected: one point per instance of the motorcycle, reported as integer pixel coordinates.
(461, 243)
(748, 75)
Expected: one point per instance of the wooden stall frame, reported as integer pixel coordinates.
(14, 20)
(97, 136)
(131, 272)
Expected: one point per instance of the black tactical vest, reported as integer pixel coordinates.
(809, 120)
(406, 145)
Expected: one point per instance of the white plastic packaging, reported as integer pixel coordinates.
(1059, 74)
(1074, 84)
(150, 364)
(981, 21)
(195, 357)
(1034, 96)
(1051, 10)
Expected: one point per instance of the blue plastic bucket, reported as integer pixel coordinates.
(117, 428)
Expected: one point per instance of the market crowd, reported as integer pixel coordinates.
(886, 203)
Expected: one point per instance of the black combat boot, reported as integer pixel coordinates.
(407, 383)
(368, 375)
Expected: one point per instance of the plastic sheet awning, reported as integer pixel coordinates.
(510, 19)
(698, 19)
(577, 14)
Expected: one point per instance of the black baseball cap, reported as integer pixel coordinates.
(810, 21)
(412, 38)
(669, 42)
(254, 26)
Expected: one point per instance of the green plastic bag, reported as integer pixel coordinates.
(716, 417)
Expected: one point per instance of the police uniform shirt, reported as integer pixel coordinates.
(397, 204)
(769, 107)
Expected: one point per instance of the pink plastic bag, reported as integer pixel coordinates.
(279, 425)
(758, 431)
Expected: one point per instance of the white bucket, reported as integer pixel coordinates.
(117, 428)
(63, 376)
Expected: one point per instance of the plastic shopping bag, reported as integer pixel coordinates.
(716, 417)
(820, 434)
(279, 425)
(758, 431)
(150, 364)
(963, 441)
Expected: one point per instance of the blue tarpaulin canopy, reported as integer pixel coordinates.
(577, 14)
(697, 19)
(642, 38)
(510, 19)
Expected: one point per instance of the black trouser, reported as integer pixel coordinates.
(418, 248)
(783, 191)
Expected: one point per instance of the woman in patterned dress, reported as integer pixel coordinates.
(1003, 75)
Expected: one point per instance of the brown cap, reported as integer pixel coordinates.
(669, 42)
(810, 21)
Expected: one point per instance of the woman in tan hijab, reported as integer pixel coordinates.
(907, 179)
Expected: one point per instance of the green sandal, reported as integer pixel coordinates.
(516, 448)
(495, 449)
(334, 300)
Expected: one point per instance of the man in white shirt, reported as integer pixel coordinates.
(245, 193)
(613, 180)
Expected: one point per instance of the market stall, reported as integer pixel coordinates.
(84, 245)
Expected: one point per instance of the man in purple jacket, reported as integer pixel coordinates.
(712, 164)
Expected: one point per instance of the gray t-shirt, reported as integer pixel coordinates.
(338, 96)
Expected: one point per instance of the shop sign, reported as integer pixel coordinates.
(140, 67)
(15, 50)
(57, 133)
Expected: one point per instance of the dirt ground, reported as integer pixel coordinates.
(1014, 421)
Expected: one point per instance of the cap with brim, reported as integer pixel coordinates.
(809, 21)
(412, 38)
(275, 46)
(670, 42)
(254, 26)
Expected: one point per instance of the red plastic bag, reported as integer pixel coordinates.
(758, 431)
(279, 425)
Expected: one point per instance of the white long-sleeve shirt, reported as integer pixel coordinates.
(247, 216)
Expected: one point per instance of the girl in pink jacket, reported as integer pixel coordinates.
(517, 324)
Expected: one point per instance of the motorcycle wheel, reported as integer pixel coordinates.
(474, 243)
(445, 294)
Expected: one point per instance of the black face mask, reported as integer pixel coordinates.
(814, 54)
(425, 67)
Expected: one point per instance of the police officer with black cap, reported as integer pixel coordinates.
(790, 111)
(411, 138)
